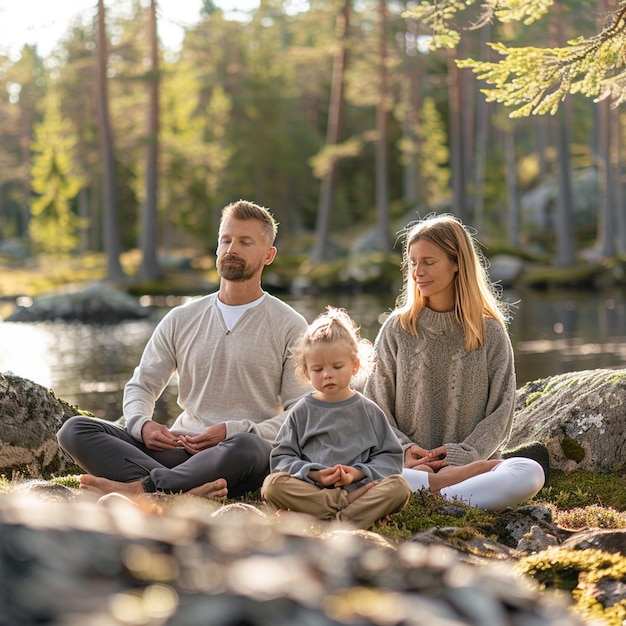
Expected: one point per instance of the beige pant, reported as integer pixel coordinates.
(283, 491)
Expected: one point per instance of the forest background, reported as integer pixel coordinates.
(342, 117)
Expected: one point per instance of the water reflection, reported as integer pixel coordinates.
(560, 331)
(552, 332)
(85, 365)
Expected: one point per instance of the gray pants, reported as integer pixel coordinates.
(105, 449)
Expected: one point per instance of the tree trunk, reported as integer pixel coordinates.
(410, 122)
(333, 135)
(511, 184)
(457, 151)
(482, 133)
(616, 122)
(606, 221)
(565, 234)
(149, 263)
(382, 182)
(110, 225)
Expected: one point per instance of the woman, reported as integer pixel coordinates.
(444, 374)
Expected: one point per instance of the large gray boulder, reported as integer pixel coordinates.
(30, 416)
(97, 303)
(579, 416)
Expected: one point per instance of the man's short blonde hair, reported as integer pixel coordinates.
(245, 210)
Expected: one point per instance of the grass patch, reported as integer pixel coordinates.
(578, 489)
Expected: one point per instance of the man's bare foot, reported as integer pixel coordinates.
(357, 493)
(215, 490)
(103, 486)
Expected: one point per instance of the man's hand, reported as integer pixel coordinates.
(158, 437)
(417, 457)
(206, 439)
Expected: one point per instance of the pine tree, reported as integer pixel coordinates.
(54, 226)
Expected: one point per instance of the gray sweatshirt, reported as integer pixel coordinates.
(243, 377)
(435, 393)
(353, 432)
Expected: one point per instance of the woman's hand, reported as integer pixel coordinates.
(417, 457)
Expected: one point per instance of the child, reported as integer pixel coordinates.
(336, 456)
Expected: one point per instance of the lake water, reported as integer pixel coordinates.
(552, 332)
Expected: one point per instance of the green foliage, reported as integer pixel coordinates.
(577, 571)
(329, 155)
(72, 481)
(561, 569)
(534, 80)
(537, 80)
(434, 155)
(442, 17)
(54, 227)
(426, 510)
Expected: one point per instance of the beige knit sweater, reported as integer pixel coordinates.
(243, 377)
(435, 393)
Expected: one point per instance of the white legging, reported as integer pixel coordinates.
(509, 483)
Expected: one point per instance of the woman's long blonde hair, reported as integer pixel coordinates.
(475, 296)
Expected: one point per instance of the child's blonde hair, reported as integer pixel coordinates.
(332, 326)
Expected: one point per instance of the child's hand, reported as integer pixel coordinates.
(337, 476)
(347, 475)
(327, 477)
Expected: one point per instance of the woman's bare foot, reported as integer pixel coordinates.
(357, 493)
(214, 490)
(103, 486)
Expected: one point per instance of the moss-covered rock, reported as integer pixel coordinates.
(31, 417)
(579, 416)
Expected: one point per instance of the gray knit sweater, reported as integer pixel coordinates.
(435, 393)
(243, 377)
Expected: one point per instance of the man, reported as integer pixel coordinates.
(231, 351)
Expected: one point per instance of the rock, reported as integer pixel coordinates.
(612, 541)
(505, 269)
(84, 562)
(536, 540)
(518, 523)
(97, 304)
(31, 417)
(579, 416)
(471, 546)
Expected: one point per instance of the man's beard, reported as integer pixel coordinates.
(237, 272)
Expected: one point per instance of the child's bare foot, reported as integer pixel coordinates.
(357, 493)
(214, 490)
(103, 486)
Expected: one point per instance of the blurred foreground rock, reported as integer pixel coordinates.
(579, 416)
(74, 561)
